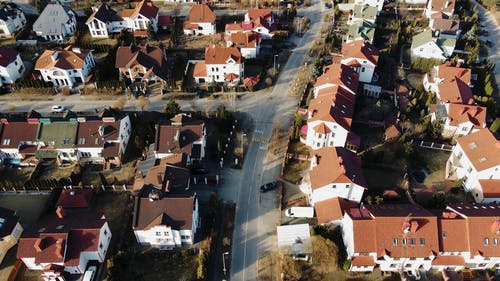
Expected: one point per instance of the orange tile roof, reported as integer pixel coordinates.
(233, 27)
(448, 72)
(482, 149)
(255, 13)
(451, 230)
(145, 8)
(392, 132)
(336, 107)
(363, 261)
(460, 113)
(321, 129)
(490, 188)
(449, 260)
(337, 74)
(455, 91)
(332, 209)
(201, 13)
(445, 6)
(360, 49)
(68, 58)
(244, 39)
(335, 165)
(220, 55)
(200, 69)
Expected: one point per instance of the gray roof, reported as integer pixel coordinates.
(52, 19)
(365, 12)
(363, 29)
(8, 10)
(422, 38)
(446, 42)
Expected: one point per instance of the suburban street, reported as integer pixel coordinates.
(494, 36)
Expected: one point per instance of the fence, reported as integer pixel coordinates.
(37, 190)
(434, 145)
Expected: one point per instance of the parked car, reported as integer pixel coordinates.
(484, 32)
(198, 170)
(300, 212)
(58, 108)
(269, 186)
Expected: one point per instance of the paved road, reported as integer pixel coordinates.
(494, 36)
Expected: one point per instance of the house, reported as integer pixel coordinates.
(10, 231)
(475, 160)
(247, 42)
(18, 139)
(166, 223)
(362, 57)
(425, 46)
(445, 28)
(449, 83)
(374, 3)
(201, 20)
(102, 140)
(11, 65)
(295, 240)
(56, 23)
(144, 14)
(260, 20)
(459, 119)
(337, 74)
(104, 21)
(58, 139)
(395, 237)
(363, 13)
(75, 198)
(143, 63)
(68, 67)
(233, 28)
(181, 134)
(329, 118)
(12, 19)
(331, 211)
(221, 64)
(165, 179)
(440, 9)
(361, 30)
(64, 242)
(334, 172)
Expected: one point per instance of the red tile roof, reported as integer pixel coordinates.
(75, 198)
(363, 261)
(233, 27)
(451, 230)
(220, 55)
(481, 148)
(93, 133)
(150, 57)
(201, 13)
(490, 188)
(445, 6)
(455, 91)
(336, 107)
(460, 113)
(332, 209)
(448, 260)
(68, 58)
(200, 69)
(337, 74)
(244, 39)
(145, 8)
(13, 133)
(361, 50)
(448, 72)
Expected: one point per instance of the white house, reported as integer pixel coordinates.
(247, 42)
(363, 13)
(221, 64)
(261, 21)
(374, 3)
(334, 172)
(104, 21)
(396, 237)
(425, 46)
(337, 74)
(65, 67)
(102, 140)
(201, 20)
(181, 134)
(459, 119)
(10, 231)
(11, 65)
(54, 244)
(475, 160)
(56, 23)
(440, 9)
(362, 57)
(12, 19)
(143, 15)
(166, 223)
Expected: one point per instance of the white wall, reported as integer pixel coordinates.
(216, 72)
(345, 190)
(163, 237)
(12, 72)
(365, 71)
(429, 51)
(336, 138)
(12, 24)
(125, 132)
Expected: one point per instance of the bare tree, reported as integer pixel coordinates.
(119, 103)
(143, 101)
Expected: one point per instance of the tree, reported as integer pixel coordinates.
(151, 32)
(495, 125)
(324, 254)
(171, 108)
(435, 128)
(143, 101)
(291, 268)
(297, 125)
(119, 103)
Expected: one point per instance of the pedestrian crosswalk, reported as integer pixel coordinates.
(260, 139)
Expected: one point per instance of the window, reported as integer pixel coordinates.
(165, 233)
(347, 186)
(96, 141)
(394, 241)
(412, 241)
(100, 246)
(460, 155)
(334, 186)
(158, 233)
(81, 141)
(495, 241)
(362, 69)
(422, 241)
(464, 129)
(66, 141)
(105, 232)
(403, 241)
(486, 241)
(6, 142)
(318, 144)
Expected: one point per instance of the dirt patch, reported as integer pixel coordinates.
(294, 169)
(155, 265)
(268, 267)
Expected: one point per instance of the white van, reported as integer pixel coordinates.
(89, 274)
(300, 212)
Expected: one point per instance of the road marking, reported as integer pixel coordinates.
(245, 247)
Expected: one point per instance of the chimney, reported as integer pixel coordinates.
(314, 161)
(167, 185)
(59, 252)
(76, 50)
(447, 4)
(413, 226)
(60, 212)
(405, 227)
(38, 245)
(342, 169)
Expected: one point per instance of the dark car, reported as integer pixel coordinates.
(268, 186)
(198, 170)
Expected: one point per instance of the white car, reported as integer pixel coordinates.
(58, 108)
(89, 274)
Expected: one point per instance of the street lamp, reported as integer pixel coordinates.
(242, 151)
(224, 262)
(274, 64)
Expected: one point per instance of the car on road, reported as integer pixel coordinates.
(484, 32)
(268, 186)
(58, 108)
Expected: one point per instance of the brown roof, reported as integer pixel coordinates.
(200, 69)
(105, 14)
(449, 260)
(361, 50)
(244, 39)
(481, 148)
(460, 113)
(173, 137)
(13, 133)
(75, 198)
(233, 27)
(68, 58)
(150, 57)
(448, 72)
(363, 261)
(337, 74)
(201, 13)
(392, 132)
(335, 107)
(220, 55)
(445, 25)
(166, 177)
(174, 212)
(335, 165)
(451, 228)
(455, 91)
(89, 133)
(321, 128)
(332, 209)
(445, 6)
(406, 223)
(255, 13)
(145, 8)
(110, 149)
(490, 188)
